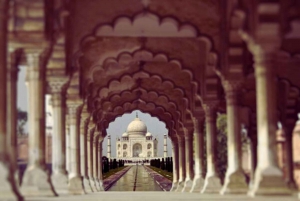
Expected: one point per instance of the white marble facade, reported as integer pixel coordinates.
(136, 142)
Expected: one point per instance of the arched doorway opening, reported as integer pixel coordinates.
(137, 150)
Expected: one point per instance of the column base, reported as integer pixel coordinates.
(198, 184)
(269, 181)
(60, 182)
(174, 186)
(93, 184)
(101, 188)
(36, 182)
(8, 188)
(180, 186)
(292, 186)
(98, 185)
(87, 185)
(76, 186)
(212, 184)
(235, 183)
(187, 185)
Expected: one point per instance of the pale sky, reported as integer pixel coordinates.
(116, 128)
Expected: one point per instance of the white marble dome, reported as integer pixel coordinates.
(148, 134)
(137, 127)
(125, 135)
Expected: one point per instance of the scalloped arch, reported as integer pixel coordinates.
(147, 24)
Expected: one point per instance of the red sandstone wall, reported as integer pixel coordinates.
(23, 149)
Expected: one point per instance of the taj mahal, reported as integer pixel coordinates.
(136, 143)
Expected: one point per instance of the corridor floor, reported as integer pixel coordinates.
(157, 196)
(136, 179)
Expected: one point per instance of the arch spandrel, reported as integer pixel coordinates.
(101, 71)
(149, 84)
(175, 113)
(151, 107)
(147, 108)
(142, 95)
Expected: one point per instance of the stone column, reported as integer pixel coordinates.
(36, 179)
(188, 160)
(212, 183)
(175, 164)
(75, 178)
(235, 180)
(99, 176)
(95, 159)
(253, 157)
(59, 173)
(90, 148)
(182, 172)
(198, 181)
(289, 159)
(83, 152)
(8, 188)
(268, 176)
(67, 143)
(12, 113)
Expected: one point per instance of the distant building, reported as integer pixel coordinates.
(136, 143)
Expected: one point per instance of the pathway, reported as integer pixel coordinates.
(136, 179)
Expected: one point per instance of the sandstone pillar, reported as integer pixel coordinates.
(99, 176)
(252, 156)
(67, 143)
(289, 159)
(198, 181)
(12, 113)
(90, 150)
(59, 173)
(181, 154)
(175, 164)
(36, 179)
(235, 180)
(8, 188)
(75, 179)
(188, 160)
(95, 160)
(83, 152)
(212, 183)
(268, 176)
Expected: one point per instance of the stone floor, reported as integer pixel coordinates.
(137, 185)
(157, 196)
(136, 179)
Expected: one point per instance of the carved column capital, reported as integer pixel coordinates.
(232, 88)
(180, 140)
(57, 85)
(73, 109)
(210, 110)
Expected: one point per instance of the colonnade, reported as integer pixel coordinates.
(76, 151)
(77, 141)
(266, 177)
(77, 144)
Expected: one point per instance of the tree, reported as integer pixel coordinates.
(22, 120)
(222, 145)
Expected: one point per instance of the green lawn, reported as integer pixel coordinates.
(166, 174)
(113, 171)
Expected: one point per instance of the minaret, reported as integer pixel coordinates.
(108, 147)
(165, 146)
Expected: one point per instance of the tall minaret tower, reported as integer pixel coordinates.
(108, 147)
(165, 146)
